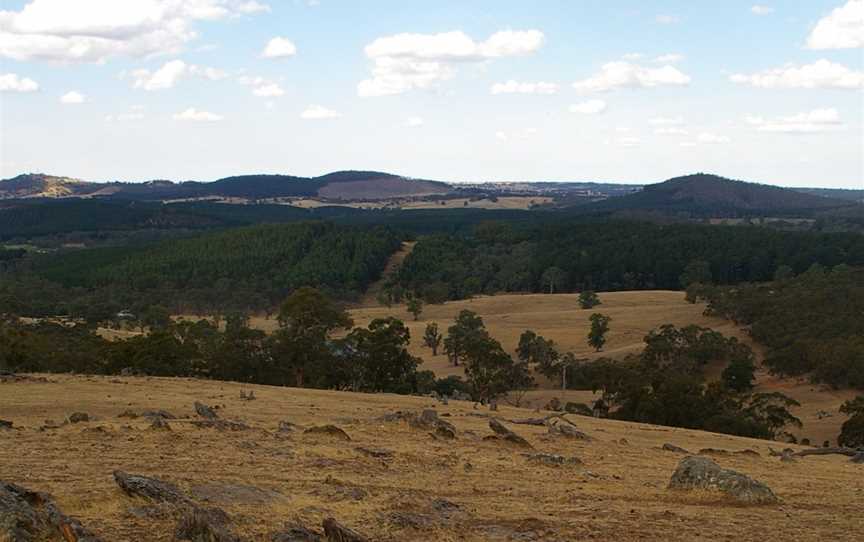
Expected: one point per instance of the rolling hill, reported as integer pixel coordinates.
(711, 195)
(337, 185)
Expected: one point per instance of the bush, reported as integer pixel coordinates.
(852, 432)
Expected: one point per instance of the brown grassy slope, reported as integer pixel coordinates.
(618, 494)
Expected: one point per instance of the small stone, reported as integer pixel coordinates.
(336, 532)
(205, 411)
(672, 448)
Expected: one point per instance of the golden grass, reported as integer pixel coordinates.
(618, 494)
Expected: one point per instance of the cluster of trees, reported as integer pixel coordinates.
(852, 431)
(245, 269)
(664, 385)
(302, 352)
(812, 323)
(571, 255)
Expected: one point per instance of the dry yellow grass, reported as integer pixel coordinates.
(634, 314)
(619, 493)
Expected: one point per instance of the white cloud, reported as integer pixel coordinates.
(319, 112)
(817, 120)
(632, 56)
(671, 130)
(629, 141)
(279, 48)
(761, 10)
(403, 62)
(820, 74)
(72, 97)
(688, 144)
(709, 138)
(667, 121)
(96, 30)
(670, 58)
(12, 82)
(621, 74)
(843, 28)
(261, 87)
(590, 107)
(413, 122)
(171, 73)
(515, 87)
(667, 19)
(195, 115)
(270, 90)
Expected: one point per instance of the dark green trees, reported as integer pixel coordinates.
(300, 346)
(852, 431)
(467, 328)
(588, 299)
(599, 328)
(432, 337)
(377, 359)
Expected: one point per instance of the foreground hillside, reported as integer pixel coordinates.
(391, 482)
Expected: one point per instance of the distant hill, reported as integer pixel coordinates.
(706, 195)
(337, 185)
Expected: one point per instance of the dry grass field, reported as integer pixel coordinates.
(263, 478)
(634, 314)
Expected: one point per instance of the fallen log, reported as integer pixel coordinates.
(849, 452)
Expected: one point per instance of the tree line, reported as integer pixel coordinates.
(250, 268)
(571, 255)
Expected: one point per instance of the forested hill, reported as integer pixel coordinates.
(703, 195)
(340, 184)
(250, 268)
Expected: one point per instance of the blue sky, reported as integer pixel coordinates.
(464, 91)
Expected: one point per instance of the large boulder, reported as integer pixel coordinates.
(27, 516)
(136, 485)
(703, 473)
(504, 433)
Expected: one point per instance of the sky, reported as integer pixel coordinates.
(454, 90)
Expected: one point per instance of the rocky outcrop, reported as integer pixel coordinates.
(30, 516)
(702, 473)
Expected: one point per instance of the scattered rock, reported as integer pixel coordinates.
(164, 414)
(672, 448)
(159, 424)
(506, 434)
(553, 460)
(786, 456)
(247, 396)
(695, 472)
(5, 424)
(713, 451)
(221, 425)
(858, 458)
(568, 431)
(136, 485)
(30, 516)
(131, 414)
(287, 427)
(204, 525)
(78, 417)
(553, 404)
(336, 532)
(330, 430)
(205, 411)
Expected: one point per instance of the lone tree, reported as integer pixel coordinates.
(415, 306)
(588, 299)
(378, 359)
(432, 337)
(599, 328)
(554, 279)
(491, 371)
